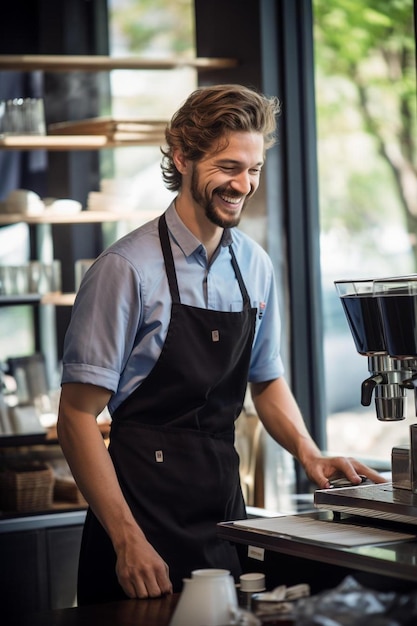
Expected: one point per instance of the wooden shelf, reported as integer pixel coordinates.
(94, 63)
(36, 439)
(27, 298)
(82, 217)
(48, 438)
(58, 299)
(73, 142)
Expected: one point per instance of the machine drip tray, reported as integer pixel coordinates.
(381, 501)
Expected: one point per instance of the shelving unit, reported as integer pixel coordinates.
(68, 142)
(49, 217)
(96, 63)
(39, 224)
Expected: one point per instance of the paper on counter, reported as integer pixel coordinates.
(324, 531)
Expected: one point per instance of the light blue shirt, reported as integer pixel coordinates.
(122, 310)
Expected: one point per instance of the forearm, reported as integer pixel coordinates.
(141, 571)
(279, 413)
(93, 470)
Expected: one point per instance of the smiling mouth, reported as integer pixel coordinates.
(229, 199)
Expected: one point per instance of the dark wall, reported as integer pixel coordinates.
(230, 29)
(54, 27)
(74, 27)
(66, 27)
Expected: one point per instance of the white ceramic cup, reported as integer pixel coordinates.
(208, 598)
(24, 201)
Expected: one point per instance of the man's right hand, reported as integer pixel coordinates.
(141, 571)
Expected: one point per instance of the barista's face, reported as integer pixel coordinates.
(222, 182)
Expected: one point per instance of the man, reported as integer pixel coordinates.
(168, 327)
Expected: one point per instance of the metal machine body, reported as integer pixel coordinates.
(382, 316)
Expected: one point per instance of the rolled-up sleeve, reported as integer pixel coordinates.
(104, 323)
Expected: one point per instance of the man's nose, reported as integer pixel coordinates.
(241, 182)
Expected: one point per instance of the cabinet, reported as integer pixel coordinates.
(38, 568)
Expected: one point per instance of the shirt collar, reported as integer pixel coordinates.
(184, 237)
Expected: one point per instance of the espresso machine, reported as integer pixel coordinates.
(382, 317)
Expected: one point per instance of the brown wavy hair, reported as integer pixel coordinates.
(207, 116)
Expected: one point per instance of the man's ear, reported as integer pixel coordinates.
(180, 162)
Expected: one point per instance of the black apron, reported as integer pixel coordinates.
(172, 444)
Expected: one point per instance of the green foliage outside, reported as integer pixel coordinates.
(155, 26)
(366, 95)
(366, 91)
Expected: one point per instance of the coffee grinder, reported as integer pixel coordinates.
(382, 317)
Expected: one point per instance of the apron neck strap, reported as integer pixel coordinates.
(170, 266)
(244, 292)
(169, 259)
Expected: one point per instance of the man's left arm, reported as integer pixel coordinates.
(278, 411)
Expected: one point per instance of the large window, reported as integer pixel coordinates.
(149, 29)
(367, 156)
(16, 322)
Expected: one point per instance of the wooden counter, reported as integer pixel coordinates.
(155, 612)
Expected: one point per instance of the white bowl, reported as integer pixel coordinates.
(24, 201)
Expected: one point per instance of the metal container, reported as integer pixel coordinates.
(400, 463)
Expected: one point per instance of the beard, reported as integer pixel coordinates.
(207, 203)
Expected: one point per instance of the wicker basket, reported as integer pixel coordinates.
(66, 490)
(26, 488)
